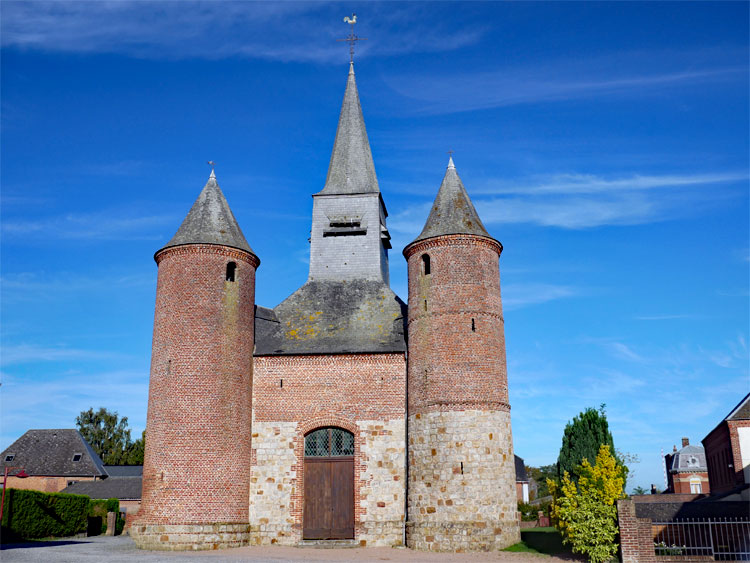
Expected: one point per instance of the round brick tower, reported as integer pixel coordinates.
(196, 471)
(461, 486)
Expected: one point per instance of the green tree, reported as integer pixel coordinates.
(108, 435)
(540, 475)
(581, 440)
(640, 491)
(134, 452)
(585, 513)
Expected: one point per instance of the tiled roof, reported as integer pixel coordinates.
(51, 452)
(690, 459)
(124, 470)
(520, 469)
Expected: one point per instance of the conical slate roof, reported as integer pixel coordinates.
(210, 221)
(452, 213)
(351, 170)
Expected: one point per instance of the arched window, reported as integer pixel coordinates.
(329, 442)
(231, 267)
(426, 264)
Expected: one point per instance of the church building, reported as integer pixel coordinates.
(341, 414)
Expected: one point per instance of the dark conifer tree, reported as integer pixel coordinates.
(582, 438)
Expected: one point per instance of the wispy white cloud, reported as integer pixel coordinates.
(63, 397)
(664, 317)
(634, 74)
(516, 296)
(581, 201)
(30, 353)
(285, 31)
(103, 225)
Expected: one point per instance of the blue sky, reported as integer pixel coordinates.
(605, 145)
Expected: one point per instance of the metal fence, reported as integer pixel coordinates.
(718, 539)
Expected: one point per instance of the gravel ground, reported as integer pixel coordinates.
(121, 549)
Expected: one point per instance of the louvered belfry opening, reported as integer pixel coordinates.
(329, 484)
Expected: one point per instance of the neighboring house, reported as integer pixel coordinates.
(124, 484)
(522, 481)
(53, 459)
(686, 470)
(728, 450)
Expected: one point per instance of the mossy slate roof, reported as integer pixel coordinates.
(332, 317)
(50, 452)
(210, 221)
(452, 212)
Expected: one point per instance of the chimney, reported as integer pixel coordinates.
(653, 489)
(685, 442)
(674, 449)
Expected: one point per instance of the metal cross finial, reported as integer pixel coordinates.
(450, 153)
(213, 165)
(352, 39)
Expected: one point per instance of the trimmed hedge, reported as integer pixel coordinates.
(33, 514)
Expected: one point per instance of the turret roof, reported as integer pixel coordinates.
(351, 170)
(452, 212)
(210, 221)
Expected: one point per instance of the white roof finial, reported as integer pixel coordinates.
(450, 160)
(213, 164)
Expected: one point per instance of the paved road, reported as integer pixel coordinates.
(121, 549)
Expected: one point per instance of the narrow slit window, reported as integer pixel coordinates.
(425, 304)
(426, 264)
(473, 326)
(231, 268)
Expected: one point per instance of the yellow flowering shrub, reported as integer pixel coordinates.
(586, 514)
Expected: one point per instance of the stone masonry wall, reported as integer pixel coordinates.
(462, 493)
(197, 460)
(293, 395)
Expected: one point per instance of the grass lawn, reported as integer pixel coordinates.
(540, 540)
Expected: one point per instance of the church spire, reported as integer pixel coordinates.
(351, 170)
(452, 212)
(210, 221)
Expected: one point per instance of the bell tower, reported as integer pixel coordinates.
(461, 489)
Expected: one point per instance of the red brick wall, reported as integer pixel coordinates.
(682, 482)
(636, 538)
(197, 461)
(739, 477)
(719, 456)
(43, 483)
(329, 390)
(451, 366)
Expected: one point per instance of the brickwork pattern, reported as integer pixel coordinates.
(293, 395)
(43, 483)
(461, 466)
(348, 257)
(456, 333)
(461, 481)
(636, 538)
(197, 461)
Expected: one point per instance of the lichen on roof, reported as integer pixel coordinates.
(330, 317)
(210, 221)
(452, 212)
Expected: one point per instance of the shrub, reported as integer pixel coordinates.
(33, 514)
(586, 514)
(113, 505)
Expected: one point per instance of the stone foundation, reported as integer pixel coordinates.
(188, 537)
(462, 536)
(462, 492)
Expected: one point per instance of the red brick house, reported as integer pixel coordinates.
(728, 451)
(53, 459)
(686, 470)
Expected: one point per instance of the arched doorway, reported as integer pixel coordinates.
(329, 485)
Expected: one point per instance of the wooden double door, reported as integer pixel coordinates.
(329, 498)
